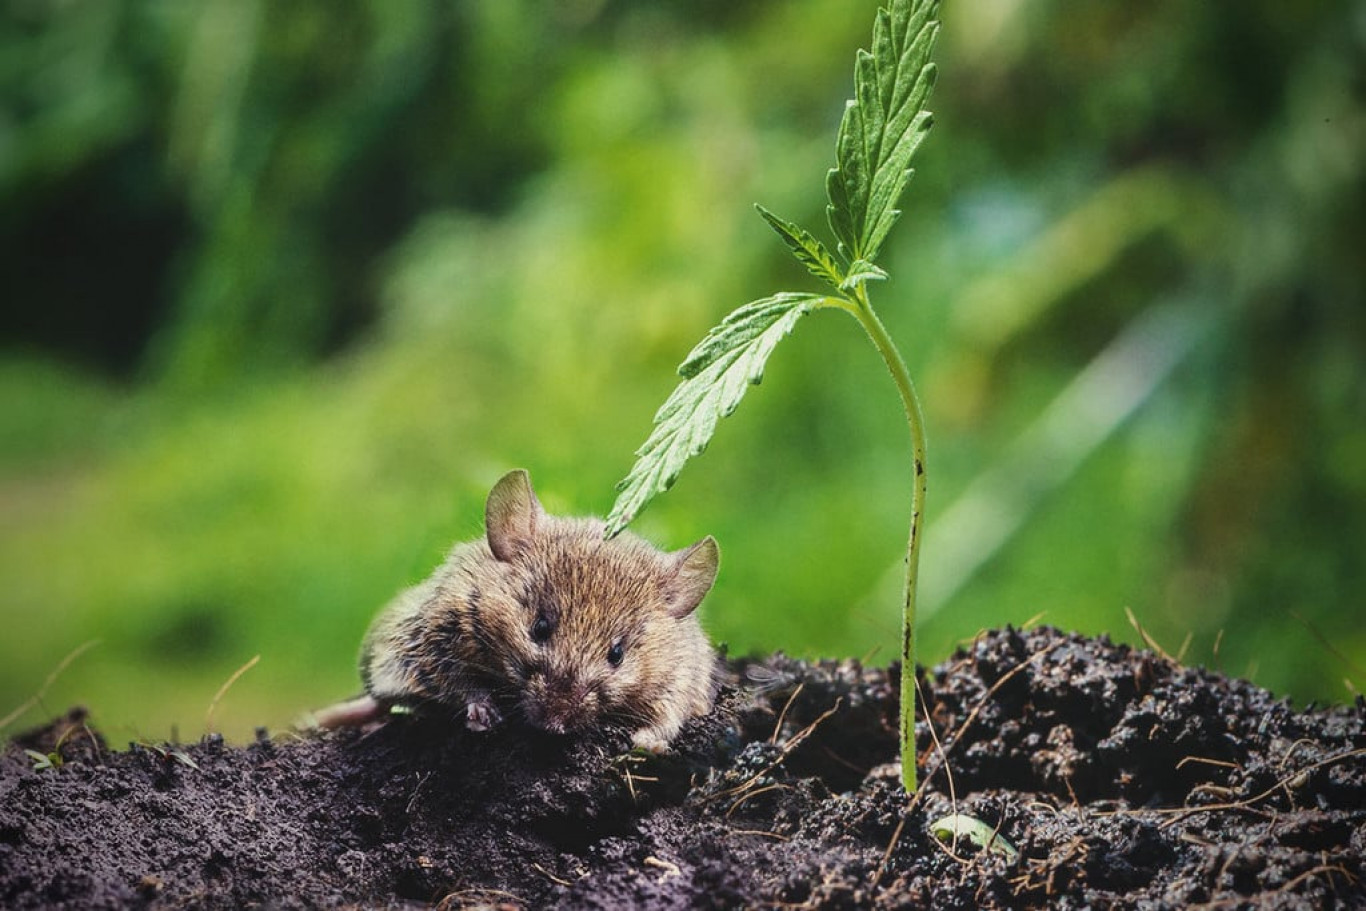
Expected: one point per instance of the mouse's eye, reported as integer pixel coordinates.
(541, 628)
(616, 653)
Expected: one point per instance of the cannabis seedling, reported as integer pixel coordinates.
(881, 129)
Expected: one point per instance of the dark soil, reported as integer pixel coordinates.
(1123, 779)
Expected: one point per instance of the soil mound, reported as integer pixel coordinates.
(1115, 777)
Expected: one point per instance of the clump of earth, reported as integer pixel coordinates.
(1057, 771)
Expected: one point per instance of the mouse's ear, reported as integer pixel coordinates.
(689, 576)
(511, 515)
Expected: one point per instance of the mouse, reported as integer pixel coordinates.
(547, 620)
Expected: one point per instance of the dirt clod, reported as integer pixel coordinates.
(1123, 779)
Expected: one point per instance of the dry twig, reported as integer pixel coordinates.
(222, 690)
(37, 697)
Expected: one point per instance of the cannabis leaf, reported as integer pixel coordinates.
(882, 127)
(716, 375)
(880, 131)
(809, 251)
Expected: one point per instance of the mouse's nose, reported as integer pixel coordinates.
(559, 703)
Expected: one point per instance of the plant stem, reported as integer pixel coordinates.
(868, 318)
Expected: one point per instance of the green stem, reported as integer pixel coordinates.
(862, 310)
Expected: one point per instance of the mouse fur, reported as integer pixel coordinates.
(545, 619)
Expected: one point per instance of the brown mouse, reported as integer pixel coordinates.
(546, 619)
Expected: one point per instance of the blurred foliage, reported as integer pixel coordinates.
(288, 286)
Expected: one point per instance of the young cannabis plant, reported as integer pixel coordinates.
(882, 127)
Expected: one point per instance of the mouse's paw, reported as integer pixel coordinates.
(480, 713)
(651, 740)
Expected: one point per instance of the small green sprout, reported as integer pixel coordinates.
(183, 758)
(882, 127)
(43, 761)
(52, 759)
(169, 755)
(983, 837)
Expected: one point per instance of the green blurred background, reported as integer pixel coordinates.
(287, 286)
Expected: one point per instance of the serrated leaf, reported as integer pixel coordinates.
(716, 376)
(860, 271)
(837, 213)
(809, 251)
(882, 127)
